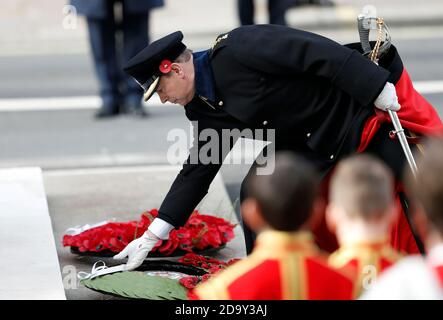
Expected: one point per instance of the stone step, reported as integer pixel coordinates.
(29, 266)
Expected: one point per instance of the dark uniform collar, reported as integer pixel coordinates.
(204, 80)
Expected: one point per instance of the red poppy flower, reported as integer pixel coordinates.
(189, 282)
(200, 232)
(211, 265)
(165, 66)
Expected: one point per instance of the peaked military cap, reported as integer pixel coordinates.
(154, 60)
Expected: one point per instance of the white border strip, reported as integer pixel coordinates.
(30, 267)
(429, 87)
(93, 102)
(244, 152)
(88, 171)
(62, 103)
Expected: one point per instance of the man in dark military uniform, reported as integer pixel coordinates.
(119, 92)
(315, 93)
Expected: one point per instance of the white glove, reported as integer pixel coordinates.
(137, 250)
(387, 100)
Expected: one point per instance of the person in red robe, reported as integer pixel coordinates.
(285, 263)
(361, 211)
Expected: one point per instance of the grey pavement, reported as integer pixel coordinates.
(30, 76)
(46, 26)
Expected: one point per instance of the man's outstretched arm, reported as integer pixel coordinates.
(188, 189)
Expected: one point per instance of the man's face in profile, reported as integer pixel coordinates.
(176, 87)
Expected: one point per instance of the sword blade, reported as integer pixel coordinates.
(403, 141)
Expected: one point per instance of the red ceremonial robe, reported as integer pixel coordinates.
(282, 266)
(364, 261)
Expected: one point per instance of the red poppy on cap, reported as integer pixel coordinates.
(165, 66)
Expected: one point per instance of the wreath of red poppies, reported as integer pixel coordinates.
(211, 265)
(199, 233)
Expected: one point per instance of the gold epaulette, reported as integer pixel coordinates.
(219, 39)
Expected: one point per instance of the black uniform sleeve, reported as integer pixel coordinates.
(193, 181)
(284, 51)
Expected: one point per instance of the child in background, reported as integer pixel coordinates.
(416, 277)
(361, 212)
(285, 263)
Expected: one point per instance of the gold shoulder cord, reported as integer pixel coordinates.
(374, 53)
(219, 38)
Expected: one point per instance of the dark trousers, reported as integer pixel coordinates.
(276, 9)
(110, 52)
